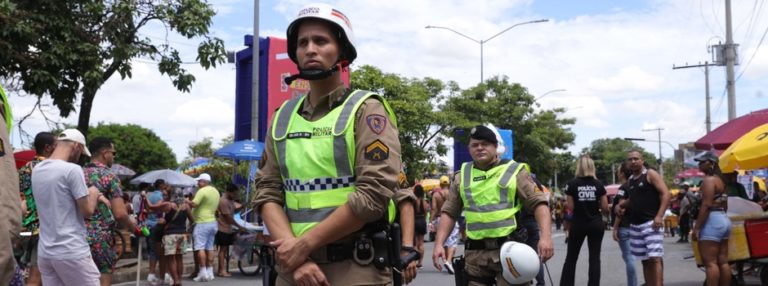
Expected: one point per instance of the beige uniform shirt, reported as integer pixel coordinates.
(375, 180)
(10, 203)
(526, 193)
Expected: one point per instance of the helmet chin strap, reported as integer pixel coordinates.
(316, 74)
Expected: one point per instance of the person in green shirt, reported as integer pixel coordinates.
(204, 205)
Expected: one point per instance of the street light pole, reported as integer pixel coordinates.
(661, 160)
(548, 92)
(482, 42)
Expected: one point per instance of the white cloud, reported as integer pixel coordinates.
(209, 110)
(615, 65)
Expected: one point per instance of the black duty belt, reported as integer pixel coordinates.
(333, 253)
(485, 244)
(717, 209)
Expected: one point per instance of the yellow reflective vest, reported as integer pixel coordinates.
(489, 199)
(316, 159)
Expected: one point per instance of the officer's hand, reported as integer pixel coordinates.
(410, 271)
(290, 253)
(309, 274)
(546, 250)
(438, 253)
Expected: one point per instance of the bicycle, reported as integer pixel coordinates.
(253, 263)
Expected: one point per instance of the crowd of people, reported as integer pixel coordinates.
(72, 212)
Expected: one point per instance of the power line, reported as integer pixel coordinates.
(753, 54)
(704, 18)
(754, 18)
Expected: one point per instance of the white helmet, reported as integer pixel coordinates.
(325, 12)
(501, 147)
(519, 262)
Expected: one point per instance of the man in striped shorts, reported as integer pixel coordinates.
(647, 193)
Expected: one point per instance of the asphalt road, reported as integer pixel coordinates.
(679, 267)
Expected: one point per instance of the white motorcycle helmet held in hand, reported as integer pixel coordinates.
(519, 262)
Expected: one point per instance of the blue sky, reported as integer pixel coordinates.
(613, 58)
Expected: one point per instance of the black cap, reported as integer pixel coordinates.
(481, 132)
(707, 156)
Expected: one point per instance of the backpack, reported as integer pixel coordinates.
(695, 205)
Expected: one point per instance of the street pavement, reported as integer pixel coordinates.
(679, 267)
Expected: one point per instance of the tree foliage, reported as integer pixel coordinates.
(509, 106)
(416, 103)
(610, 152)
(137, 148)
(67, 49)
(220, 169)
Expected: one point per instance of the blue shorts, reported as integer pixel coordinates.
(716, 228)
(204, 235)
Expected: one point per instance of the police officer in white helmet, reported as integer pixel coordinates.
(332, 164)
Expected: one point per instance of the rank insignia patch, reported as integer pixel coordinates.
(376, 123)
(376, 151)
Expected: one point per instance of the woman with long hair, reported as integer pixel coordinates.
(586, 196)
(621, 225)
(713, 227)
(420, 225)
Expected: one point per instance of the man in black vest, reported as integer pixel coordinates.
(648, 198)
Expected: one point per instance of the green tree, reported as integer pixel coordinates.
(671, 167)
(67, 49)
(202, 148)
(137, 148)
(220, 169)
(564, 165)
(611, 152)
(420, 120)
(509, 106)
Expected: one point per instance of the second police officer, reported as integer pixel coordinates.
(332, 163)
(491, 193)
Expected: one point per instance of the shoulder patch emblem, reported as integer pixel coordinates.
(376, 123)
(376, 151)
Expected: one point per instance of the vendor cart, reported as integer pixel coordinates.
(748, 243)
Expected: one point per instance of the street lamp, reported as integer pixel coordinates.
(548, 92)
(481, 42)
(661, 161)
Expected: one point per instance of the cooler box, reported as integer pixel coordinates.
(737, 245)
(757, 234)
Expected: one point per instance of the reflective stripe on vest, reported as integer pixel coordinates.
(494, 214)
(316, 159)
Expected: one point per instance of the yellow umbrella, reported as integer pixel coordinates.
(748, 152)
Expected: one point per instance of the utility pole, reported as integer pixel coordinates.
(661, 159)
(255, 72)
(730, 60)
(708, 120)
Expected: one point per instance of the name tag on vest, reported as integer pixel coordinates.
(475, 179)
(299, 135)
